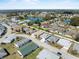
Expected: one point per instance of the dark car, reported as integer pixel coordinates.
(59, 53)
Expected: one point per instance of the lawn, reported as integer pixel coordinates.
(33, 54)
(37, 27)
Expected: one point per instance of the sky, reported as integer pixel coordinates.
(39, 4)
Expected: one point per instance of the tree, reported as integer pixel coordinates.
(77, 37)
(74, 21)
(21, 17)
(30, 23)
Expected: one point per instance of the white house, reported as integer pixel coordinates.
(53, 39)
(65, 43)
(3, 53)
(76, 47)
(2, 29)
(9, 38)
(45, 54)
(44, 36)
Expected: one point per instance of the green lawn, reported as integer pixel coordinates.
(37, 27)
(33, 54)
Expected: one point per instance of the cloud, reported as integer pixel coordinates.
(32, 1)
(40, 4)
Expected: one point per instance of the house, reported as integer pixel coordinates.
(44, 24)
(10, 38)
(44, 36)
(22, 42)
(28, 30)
(15, 19)
(37, 34)
(3, 53)
(53, 39)
(27, 49)
(2, 29)
(25, 21)
(43, 14)
(76, 47)
(15, 27)
(64, 43)
(45, 54)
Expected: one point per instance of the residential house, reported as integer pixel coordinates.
(44, 24)
(64, 43)
(53, 39)
(44, 37)
(76, 47)
(22, 42)
(2, 29)
(16, 28)
(27, 49)
(45, 54)
(37, 34)
(10, 38)
(3, 53)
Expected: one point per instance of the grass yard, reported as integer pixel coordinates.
(33, 54)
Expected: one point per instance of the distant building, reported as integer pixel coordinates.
(45, 54)
(15, 27)
(43, 14)
(28, 30)
(44, 24)
(15, 19)
(37, 34)
(67, 21)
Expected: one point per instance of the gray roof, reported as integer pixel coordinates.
(53, 39)
(45, 35)
(76, 47)
(2, 53)
(9, 38)
(2, 29)
(45, 54)
(22, 42)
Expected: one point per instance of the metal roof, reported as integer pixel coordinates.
(45, 54)
(45, 35)
(2, 53)
(76, 47)
(9, 38)
(53, 39)
(22, 42)
(28, 48)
